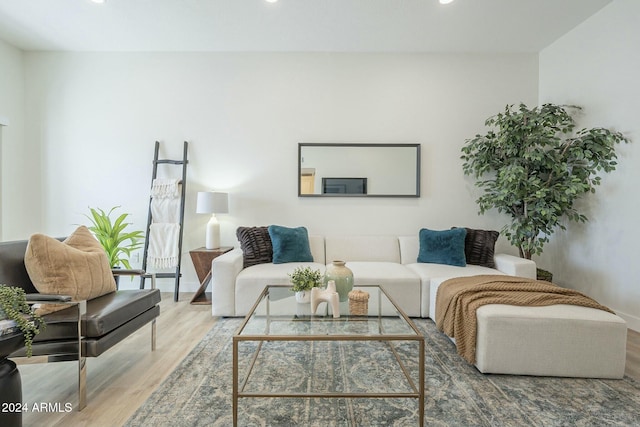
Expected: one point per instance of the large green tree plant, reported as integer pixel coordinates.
(533, 167)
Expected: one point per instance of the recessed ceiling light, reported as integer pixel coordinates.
(271, 1)
(445, 1)
(98, 1)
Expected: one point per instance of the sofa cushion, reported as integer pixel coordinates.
(431, 275)
(316, 243)
(362, 248)
(555, 340)
(251, 281)
(442, 247)
(402, 284)
(290, 244)
(78, 266)
(255, 244)
(409, 248)
(479, 247)
(437, 280)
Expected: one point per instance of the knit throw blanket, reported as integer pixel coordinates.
(458, 299)
(164, 232)
(163, 245)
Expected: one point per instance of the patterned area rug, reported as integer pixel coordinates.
(198, 392)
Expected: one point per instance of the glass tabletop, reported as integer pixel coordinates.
(277, 315)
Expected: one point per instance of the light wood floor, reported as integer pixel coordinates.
(120, 380)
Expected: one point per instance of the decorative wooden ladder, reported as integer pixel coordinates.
(183, 182)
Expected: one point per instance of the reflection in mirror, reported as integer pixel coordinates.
(358, 170)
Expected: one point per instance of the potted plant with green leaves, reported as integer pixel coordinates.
(16, 315)
(303, 279)
(116, 241)
(533, 167)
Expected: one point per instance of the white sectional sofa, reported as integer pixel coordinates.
(390, 261)
(557, 340)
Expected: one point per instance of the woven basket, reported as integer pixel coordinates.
(358, 303)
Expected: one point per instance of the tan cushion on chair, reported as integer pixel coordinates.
(78, 266)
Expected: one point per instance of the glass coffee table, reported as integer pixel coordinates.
(282, 350)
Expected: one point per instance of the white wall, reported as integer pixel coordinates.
(597, 66)
(96, 117)
(20, 190)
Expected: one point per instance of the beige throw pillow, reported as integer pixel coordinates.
(78, 266)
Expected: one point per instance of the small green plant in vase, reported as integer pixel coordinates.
(14, 307)
(303, 279)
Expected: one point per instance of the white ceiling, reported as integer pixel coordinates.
(291, 25)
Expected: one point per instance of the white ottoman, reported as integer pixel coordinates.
(557, 340)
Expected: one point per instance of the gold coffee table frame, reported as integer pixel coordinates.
(261, 310)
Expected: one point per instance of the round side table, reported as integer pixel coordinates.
(10, 383)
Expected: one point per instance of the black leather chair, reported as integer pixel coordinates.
(86, 328)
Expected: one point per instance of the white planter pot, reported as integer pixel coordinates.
(303, 297)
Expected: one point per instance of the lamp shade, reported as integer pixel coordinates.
(212, 202)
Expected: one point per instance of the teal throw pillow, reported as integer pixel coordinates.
(290, 244)
(443, 247)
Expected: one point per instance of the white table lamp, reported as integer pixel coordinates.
(212, 202)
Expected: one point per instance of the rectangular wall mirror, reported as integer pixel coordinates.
(358, 170)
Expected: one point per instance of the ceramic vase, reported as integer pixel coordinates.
(303, 296)
(329, 295)
(343, 277)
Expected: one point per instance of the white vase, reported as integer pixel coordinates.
(330, 295)
(303, 297)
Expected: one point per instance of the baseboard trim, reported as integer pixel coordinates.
(633, 322)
